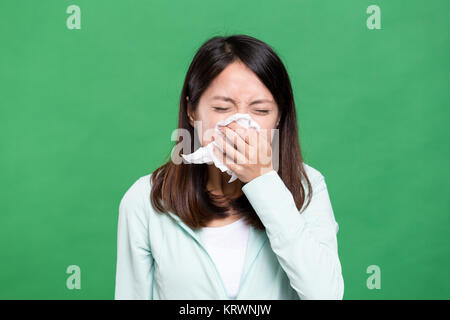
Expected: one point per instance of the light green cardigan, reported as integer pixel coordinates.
(296, 257)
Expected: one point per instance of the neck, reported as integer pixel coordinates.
(218, 183)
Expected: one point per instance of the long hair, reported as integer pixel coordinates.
(181, 188)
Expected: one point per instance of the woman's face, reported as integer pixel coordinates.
(235, 90)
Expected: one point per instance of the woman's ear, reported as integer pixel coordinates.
(190, 112)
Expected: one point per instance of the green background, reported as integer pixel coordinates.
(85, 113)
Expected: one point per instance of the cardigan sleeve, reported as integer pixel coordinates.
(134, 268)
(305, 244)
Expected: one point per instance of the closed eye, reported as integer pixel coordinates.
(220, 109)
(226, 109)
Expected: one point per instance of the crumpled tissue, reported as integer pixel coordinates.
(206, 154)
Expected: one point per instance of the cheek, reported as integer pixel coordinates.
(207, 129)
(207, 135)
(268, 122)
(269, 129)
(205, 132)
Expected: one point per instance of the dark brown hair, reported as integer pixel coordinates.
(181, 188)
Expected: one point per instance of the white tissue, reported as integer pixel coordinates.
(206, 154)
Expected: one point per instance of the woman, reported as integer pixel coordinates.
(185, 232)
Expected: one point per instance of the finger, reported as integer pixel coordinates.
(231, 153)
(233, 138)
(239, 130)
(231, 165)
(264, 151)
(219, 154)
(249, 135)
(253, 137)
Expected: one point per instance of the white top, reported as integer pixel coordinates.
(227, 246)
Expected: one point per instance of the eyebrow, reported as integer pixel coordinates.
(228, 99)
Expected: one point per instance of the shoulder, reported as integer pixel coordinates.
(320, 207)
(310, 171)
(135, 202)
(314, 176)
(138, 189)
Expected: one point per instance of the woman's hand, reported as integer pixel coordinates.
(247, 152)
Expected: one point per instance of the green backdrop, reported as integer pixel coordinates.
(86, 112)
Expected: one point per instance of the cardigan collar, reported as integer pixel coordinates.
(256, 240)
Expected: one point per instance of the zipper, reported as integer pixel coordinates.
(247, 271)
(198, 240)
(217, 272)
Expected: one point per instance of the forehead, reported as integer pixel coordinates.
(238, 82)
